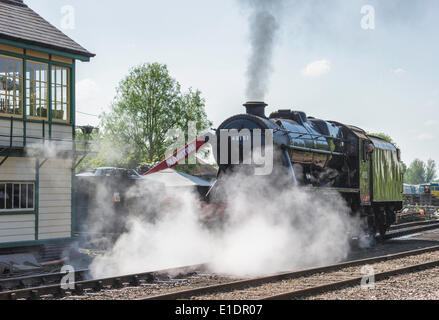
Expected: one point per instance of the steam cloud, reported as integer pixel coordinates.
(269, 230)
(264, 25)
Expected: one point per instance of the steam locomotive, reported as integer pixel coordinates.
(324, 155)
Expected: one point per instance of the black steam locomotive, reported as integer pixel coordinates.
(366, 170)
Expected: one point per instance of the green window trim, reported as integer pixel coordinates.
(18, 213)
(4, 245)
(42, 60)
(36, 121)
(44, 50)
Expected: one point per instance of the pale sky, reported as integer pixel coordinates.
(325, 63)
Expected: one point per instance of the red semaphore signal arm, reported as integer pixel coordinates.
(179, 156)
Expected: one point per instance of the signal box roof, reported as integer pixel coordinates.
(19, 23)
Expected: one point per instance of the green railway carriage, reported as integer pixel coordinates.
(37, 128)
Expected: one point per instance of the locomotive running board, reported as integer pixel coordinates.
(341, 190)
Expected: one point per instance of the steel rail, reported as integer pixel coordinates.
(333, 286)
(21, 282)
(185, 294)
(35, 293)
(412, 224)
(409, 231)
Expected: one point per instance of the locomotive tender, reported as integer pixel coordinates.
(327, 155)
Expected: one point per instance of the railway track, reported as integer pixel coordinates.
(33, 292)
(34, 281)
(36, 286)
(411, 228)
(413, 224)
(326, 286)
(304, 282)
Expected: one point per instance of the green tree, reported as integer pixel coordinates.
(420, 172)
(404, 168)
(102, 152)
(416, 172)
(149, 102)
(430, 171)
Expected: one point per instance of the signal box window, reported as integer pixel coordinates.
(17, 197)
(60, 93)
(10, 86)
(37, 90)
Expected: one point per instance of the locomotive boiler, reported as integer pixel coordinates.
(322, 155)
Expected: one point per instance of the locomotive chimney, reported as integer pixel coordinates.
(256, 108)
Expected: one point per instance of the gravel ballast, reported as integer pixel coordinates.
(422, 285)
(277, 288)
(253, 292)
(144, 290)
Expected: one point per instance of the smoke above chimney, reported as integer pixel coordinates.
(264, 26)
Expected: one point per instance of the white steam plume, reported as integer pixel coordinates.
(269, 230)
(264, 25)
